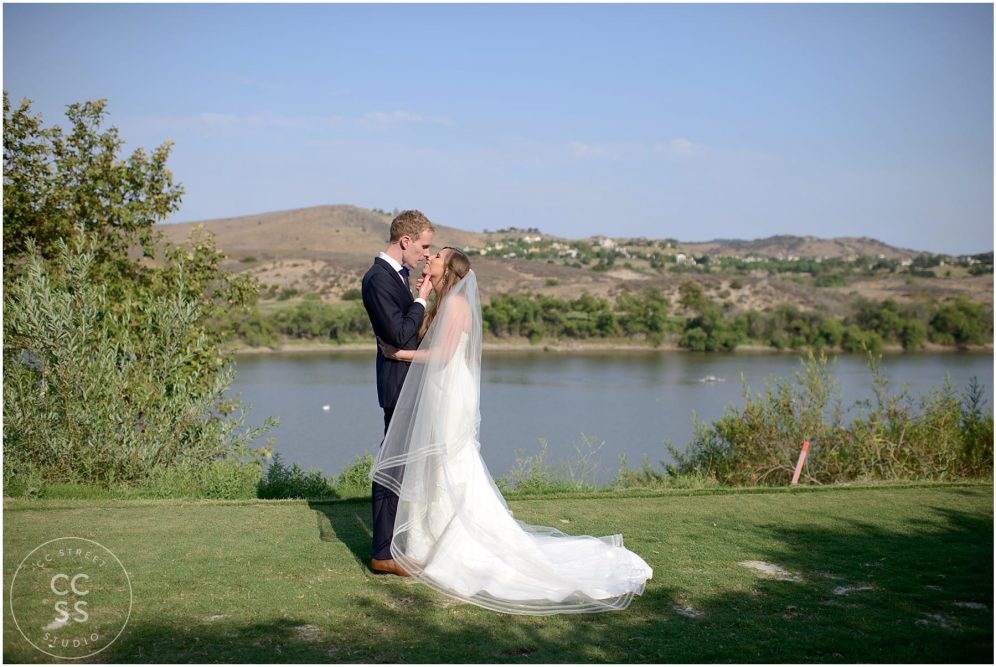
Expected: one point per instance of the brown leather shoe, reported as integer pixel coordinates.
(387, 566)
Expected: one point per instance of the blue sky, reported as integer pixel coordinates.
(687, 121)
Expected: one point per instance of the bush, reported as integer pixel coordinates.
(830, 280)
(950, 437)
(354, 480)
(857, 340)
(352, 294)
(104, 392)
(962, 322)
(283, 482)
(913, 334)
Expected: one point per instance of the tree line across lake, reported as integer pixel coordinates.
(696, 323)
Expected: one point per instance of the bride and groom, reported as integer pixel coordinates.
(437, 514)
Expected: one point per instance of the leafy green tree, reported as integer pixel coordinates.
(857, 340)
(694, 339)
(692, 296)
(717, 333)
(115, 372)
(643, 313)
(757, 326)
(913, 334)
(829, 333)
(104, 395)
(883, 318)
(962, 322)
(56, 180)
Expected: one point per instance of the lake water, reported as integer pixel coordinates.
(630, 400)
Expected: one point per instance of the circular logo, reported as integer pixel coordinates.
(70, 598)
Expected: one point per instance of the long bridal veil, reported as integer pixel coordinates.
(454, 530)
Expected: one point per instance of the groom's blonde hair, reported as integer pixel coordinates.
(409, 223)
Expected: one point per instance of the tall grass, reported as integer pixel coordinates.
(282, 481)
(947, 434)
(534, 473)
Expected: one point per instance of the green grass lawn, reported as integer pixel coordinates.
(286, 581)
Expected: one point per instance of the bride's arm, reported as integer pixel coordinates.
(447, 337)
(411, 355)
(392, 352)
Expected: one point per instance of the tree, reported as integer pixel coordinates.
(960, 321)
(54, 180)
(913, 335)
(111, 360)
(102, 395)
(692, 296)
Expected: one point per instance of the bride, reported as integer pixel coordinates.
(453, 529)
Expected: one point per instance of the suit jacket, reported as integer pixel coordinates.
(395, 318)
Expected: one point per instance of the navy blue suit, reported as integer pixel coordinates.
(396, 318)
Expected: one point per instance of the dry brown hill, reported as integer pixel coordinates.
(326, 249)
(346, 235)
(784, 246)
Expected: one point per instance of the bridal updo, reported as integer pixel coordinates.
(454, 270)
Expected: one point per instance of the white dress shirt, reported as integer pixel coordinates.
(397, 267)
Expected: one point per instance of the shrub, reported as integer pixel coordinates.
(830, 280)
(354, 480)
(960, 321)
(283, 482)
(104, 392)
(857, 340)
(950, 436)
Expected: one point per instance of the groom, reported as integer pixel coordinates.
(396, 317)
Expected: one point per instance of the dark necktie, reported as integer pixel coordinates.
(404, 274)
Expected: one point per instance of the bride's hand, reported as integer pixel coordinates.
(424, 286)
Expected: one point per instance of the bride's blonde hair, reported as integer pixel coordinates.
(454, 270)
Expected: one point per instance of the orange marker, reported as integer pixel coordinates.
(798, 465)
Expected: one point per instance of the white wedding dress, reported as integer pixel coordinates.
(453, 529)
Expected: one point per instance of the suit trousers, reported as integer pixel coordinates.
(385, 508)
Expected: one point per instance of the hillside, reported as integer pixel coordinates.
(784, 246)
(327, 249)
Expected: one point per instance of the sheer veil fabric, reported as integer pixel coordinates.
(454, 530)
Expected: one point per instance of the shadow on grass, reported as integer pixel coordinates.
(914, 576)
(348, 522)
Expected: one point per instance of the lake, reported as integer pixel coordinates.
(631, 400)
